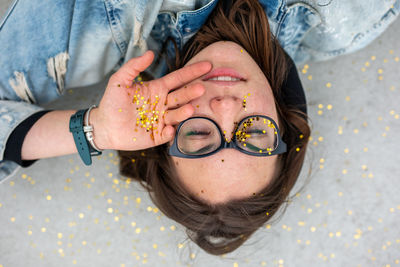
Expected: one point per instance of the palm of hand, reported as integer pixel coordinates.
(139, 115)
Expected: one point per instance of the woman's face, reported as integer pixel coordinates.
(229, 173)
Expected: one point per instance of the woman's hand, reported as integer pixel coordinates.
(139, 115)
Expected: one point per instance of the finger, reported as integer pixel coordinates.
(167, 134)
(184, 95)
(185, 75)
(128, 72)
(175, 116)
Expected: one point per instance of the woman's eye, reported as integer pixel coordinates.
(191, 133)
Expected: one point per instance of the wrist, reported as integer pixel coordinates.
(100, 136)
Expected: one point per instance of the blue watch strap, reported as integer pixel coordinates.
(76, 127)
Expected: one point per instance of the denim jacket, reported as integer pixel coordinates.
(47, 47)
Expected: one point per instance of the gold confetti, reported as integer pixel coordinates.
(340, 130)
(350, 212)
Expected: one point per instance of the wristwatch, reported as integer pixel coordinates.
(76, 128)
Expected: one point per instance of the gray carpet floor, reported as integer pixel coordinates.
(345, 209)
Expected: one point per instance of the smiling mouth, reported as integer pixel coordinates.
(225, 79)
(224, 75)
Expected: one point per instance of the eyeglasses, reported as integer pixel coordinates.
(255, 135)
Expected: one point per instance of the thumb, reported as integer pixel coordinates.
(128, 72)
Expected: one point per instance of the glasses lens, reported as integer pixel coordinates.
(257, 135)
(198, 137)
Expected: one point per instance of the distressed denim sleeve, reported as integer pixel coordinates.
(32, 66)
(47, 47)
(12, 113)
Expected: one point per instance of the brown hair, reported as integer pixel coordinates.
(223, 227)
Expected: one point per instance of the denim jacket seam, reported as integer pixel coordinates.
(8, 13)
(287, 10)
(115, 27)
(197, 11)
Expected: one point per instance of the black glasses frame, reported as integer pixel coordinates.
(280, 149)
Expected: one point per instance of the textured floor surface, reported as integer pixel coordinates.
(60, 212)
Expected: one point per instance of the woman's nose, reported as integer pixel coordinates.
(226, 109)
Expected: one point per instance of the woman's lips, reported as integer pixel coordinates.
(224, 72)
